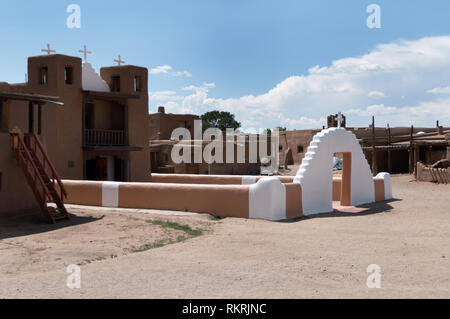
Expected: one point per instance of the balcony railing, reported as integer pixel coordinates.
(104, 138)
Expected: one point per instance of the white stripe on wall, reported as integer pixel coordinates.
(110, 194)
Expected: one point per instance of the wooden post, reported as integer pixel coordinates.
(389, 150)
(411, 151)
(416, 159)
(374, 151)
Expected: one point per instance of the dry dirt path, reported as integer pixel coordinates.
(321, 257)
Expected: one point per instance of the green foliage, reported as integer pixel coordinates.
(220, 120)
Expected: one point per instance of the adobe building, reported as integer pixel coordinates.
(162, 124)
(92, 126)
(397, 150)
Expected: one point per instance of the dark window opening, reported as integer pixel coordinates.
(300, 149)
(115, 84)
(1, 115)
(43, 79)
(280, 149)
(30, 117)
(137, 83)
(68, 75)
(90, 116)
(71, 164)
(165, 159)
(39, 119)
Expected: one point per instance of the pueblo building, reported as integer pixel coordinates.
(393, 150)
(161, 126)
(90, 126)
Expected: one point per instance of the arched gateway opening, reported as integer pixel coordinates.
(316, 172)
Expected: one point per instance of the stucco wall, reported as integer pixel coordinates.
(15, 194)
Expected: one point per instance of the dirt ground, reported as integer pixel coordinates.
(137, 254)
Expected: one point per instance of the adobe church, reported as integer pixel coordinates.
(91, 126)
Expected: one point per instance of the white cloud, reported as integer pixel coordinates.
(441, 90)
(160, 69)
(405, 69)
(165, 95)
(167, 69)
(376, 94)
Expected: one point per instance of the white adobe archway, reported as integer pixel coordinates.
(316, 172)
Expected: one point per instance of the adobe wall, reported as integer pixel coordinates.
(242, 201)
(434, 175)
(15, 194)
(447, 137)
(295, 139)
(62, 125)
(269, 198)
(140, 170)
(161, 125)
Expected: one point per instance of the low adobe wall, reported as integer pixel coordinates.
(379, 186)
(213, 179)
(435, 175)
(267, 198)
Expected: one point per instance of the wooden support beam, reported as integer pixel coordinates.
(389, 152)
(411, 151)
(374, 150)
(416, 159)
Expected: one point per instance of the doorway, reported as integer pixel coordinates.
(97, 169)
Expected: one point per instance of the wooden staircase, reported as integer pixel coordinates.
(41, 175)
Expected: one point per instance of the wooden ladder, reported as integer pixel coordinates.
(40, 175)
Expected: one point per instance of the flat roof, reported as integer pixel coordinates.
(30, 97)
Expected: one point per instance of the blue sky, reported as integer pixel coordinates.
(254, 57)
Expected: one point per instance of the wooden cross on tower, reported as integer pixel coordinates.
(119, 61)
(48, 50)
(340, 119)
(85, 53)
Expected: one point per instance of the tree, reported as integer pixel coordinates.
(281, 129)
(220, 120)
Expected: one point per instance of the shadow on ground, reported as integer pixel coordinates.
(362, 210)
(36, 224)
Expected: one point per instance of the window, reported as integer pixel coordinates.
(39, 119)
(1, 115)
(115, 84)
(137, 84)
(68, 75)
(43, 79)
(71, 164)
(31, 117)
(300, 149)
(280, 149)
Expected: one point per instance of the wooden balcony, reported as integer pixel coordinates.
(104, 138)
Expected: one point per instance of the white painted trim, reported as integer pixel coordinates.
(248, 180)
(387, 185)
(110, 194)
(267, 199)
